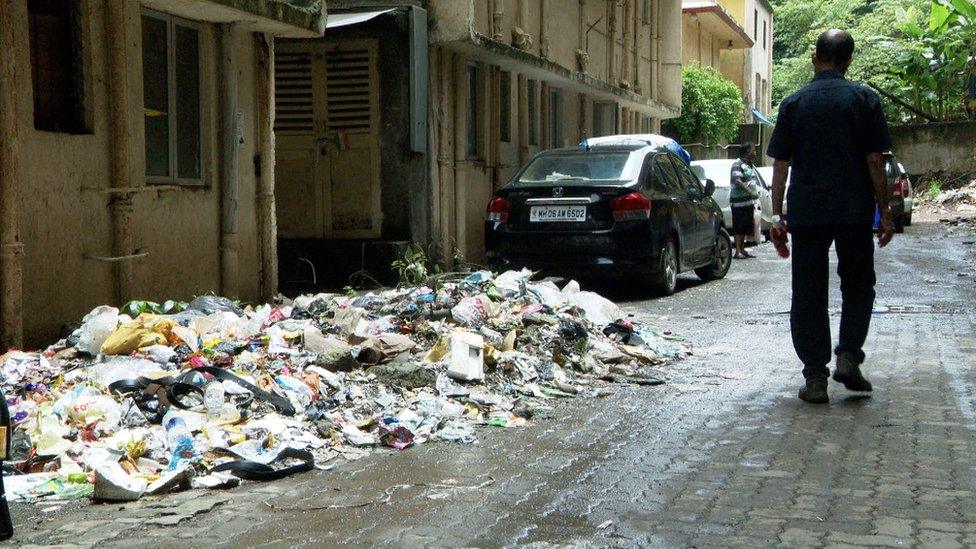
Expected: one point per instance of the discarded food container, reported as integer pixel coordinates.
(467, 359)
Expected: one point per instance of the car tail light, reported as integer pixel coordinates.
(633, 206)
(900, 186)
(498, 209)
(906, 187)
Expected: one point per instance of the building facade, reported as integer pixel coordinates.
(135, 153)
(708, 31)
(752, 69)
(736, 38)
(431, 106)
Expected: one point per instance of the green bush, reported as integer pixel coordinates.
(711, 106)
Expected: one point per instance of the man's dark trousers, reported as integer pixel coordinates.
(809, 321)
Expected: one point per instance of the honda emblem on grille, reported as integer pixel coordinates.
(557, 192)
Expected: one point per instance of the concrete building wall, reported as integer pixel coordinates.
(743, 66)
(697, 44)
(65, 203)
(941, 147)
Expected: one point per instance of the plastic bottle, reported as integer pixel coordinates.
(213, 398)
(176, 432)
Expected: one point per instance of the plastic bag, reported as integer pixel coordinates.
(142, 332)
(96, 327)
(118, 368)
(596, 308)
(85, 404)
(211, 304)
(513, 282)
(473, 311)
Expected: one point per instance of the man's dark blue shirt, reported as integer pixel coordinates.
(826, 130)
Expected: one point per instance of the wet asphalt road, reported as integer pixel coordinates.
(722, 455)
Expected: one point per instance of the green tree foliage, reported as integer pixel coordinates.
(711, 106)
(897, 40)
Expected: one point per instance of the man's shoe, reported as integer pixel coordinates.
(849, 373)
(815, 391)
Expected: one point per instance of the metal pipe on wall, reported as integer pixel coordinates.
(265, 168)
(655, 40)
(11, 247)
(628, 44)
(229, 271)
(544, 14)
(445, 153)
(120, 203)
(460, 68)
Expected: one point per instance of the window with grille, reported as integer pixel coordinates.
(294, 112)
(171, 98)
(347, 81)
(57, 68)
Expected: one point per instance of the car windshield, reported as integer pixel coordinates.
(576, 168)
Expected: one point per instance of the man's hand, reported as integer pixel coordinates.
(886, 229)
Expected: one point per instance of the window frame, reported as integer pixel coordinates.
(663, 173)
(505, 106)
(173, 139)
(472, 115)
(691, 184)
(612, 106)
(764, 34)
(78, 21)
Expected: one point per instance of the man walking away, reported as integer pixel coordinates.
(742, 198)
(832, 132)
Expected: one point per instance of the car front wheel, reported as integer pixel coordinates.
(721, 258)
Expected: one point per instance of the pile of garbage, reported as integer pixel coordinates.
(159, 397)
(961, 198)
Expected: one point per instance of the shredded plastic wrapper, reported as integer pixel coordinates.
(118, 409)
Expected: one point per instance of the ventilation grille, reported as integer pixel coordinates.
(293, 93)
(347, 85)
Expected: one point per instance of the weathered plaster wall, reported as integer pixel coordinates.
(943, 147)
(65, 212)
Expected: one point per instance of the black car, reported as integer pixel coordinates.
(621, 210)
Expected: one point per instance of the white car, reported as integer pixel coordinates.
(720, 172)
(766, 172)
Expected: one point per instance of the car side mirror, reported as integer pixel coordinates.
(709, 187)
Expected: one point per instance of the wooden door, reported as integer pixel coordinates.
(327, 139)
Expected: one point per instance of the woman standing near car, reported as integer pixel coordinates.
(742, 198)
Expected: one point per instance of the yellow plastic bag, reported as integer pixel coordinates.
(144, 331)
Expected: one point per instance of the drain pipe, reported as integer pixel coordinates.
(265, 167)
(11, 247)
(229, 271)
(120, 198)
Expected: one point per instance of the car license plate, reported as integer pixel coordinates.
(557, 213)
